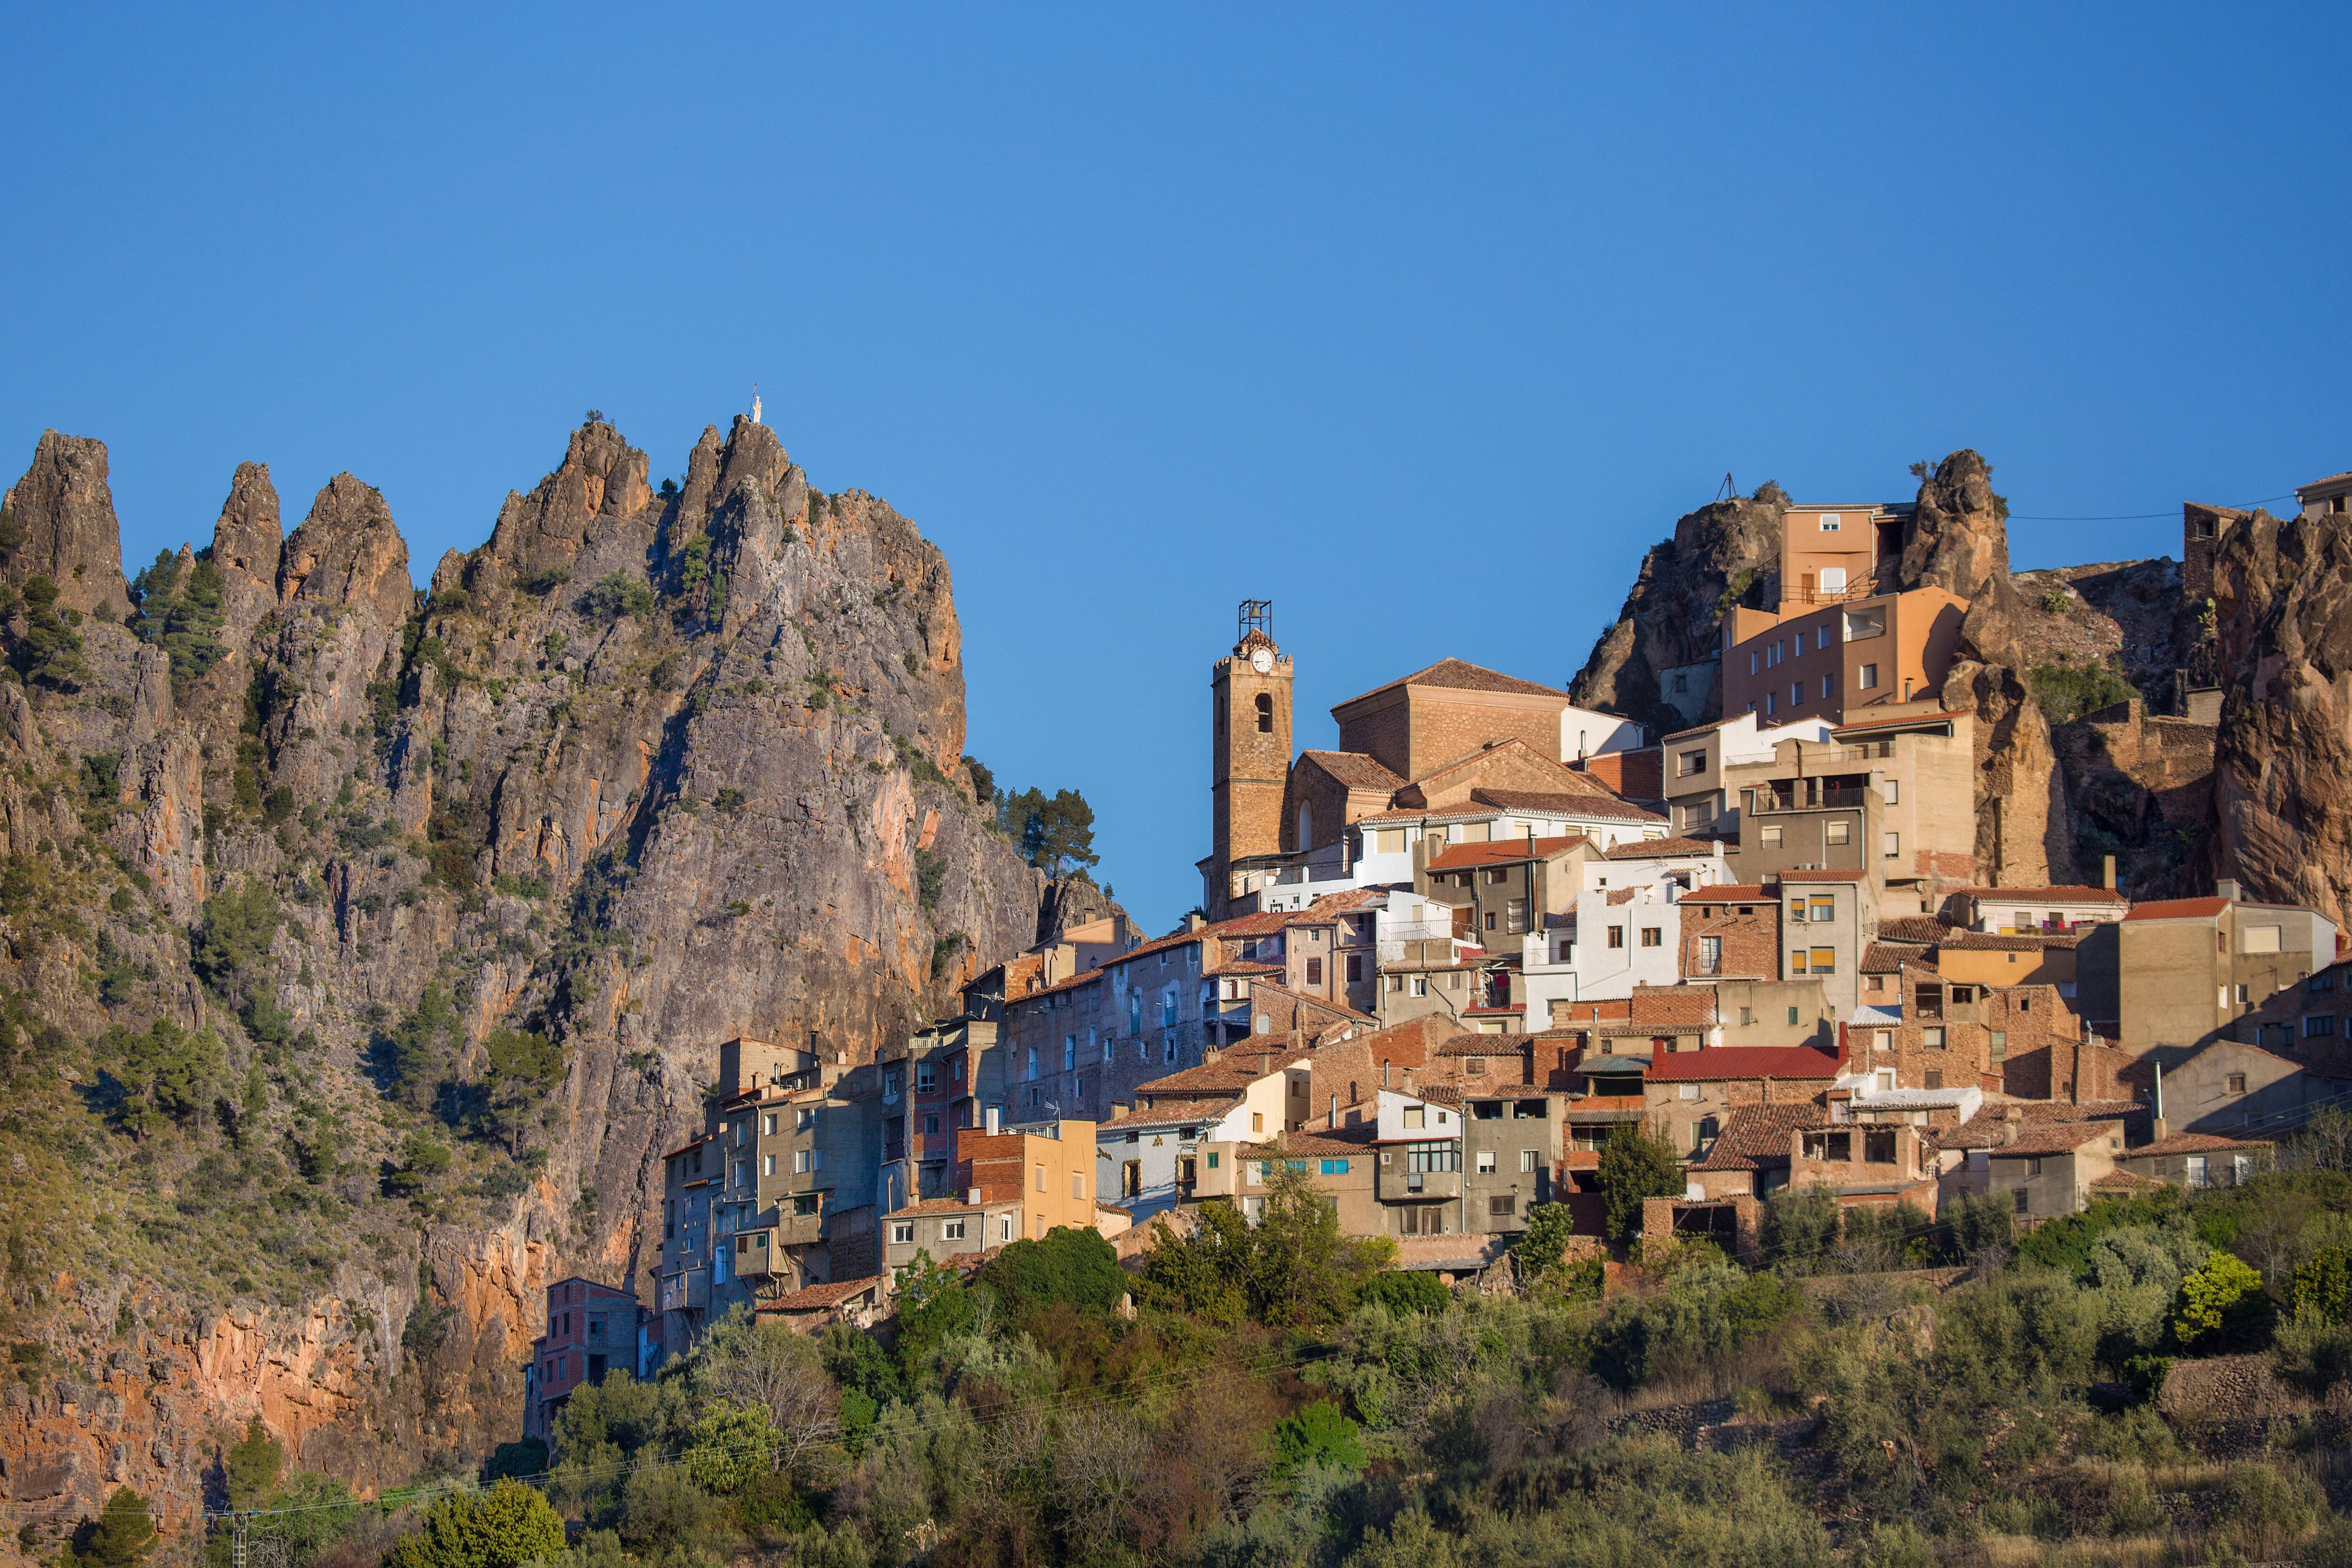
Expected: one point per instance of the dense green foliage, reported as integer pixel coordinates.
(1636, 1164)
(179, 609)
(1052, 830)
(506, 1525)
(2068, 691)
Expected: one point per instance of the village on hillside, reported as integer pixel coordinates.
(1435, 968)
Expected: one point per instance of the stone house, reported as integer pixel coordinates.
(2227, 1087)
(2042, 1160)
(2187, 970)
(1688, 1094)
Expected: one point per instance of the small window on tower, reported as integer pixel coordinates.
(1265, 713)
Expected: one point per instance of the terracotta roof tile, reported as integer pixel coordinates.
(2195, 1143)
(1600, 802)
(1173, 1113)
(1756, 1137)
(1354, 769)
(1720, 1063)
(1913, 928)
(1900, 719)
(1987, 942)
(1887, 957)
(1505, 851)
(2177, 910)
(1825, 876)
(1730, 893)
(1460, 674)
(818, 1297)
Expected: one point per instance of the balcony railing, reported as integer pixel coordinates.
(1830, 800)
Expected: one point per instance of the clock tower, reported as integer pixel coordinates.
(1250, 692)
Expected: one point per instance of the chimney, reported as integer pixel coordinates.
(993, 1121)
(2108, 875)
(2226, 888)
(1195, 921)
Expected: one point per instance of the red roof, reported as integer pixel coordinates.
(1721, 1062)
(1825, 876)
(1463, 676)
(1462, 856)
(2177, 910)
(1730, 893)
(1664, 848)
(1354, 770)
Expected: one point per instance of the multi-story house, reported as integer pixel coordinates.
(1152, 1157)
(2187, 970)
(1047, 1168)
(592, 1331)
(1826, 921)
(1840, 662)
(1688, 1094)
(2040, 911)
(1698, 763)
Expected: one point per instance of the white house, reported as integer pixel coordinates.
(1584, 732)
(1617, 939)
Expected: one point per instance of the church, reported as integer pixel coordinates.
(1453, 753)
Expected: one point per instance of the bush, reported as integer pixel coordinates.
(2312, 1350)
(2067, 691)
(1407, 1290)
(506, 1525)
(1635, 1164)
(1319, 1435)
(2219, 1299)
(614, 595)
(1797, 1228)
(1069, 1265)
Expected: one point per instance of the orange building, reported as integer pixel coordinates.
(1834, 661)
(1048, 1168)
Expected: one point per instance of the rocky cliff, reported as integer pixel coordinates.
(364, 947)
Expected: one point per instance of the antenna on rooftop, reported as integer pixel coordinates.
(1724, 491)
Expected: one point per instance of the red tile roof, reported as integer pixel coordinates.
(2054, 895)
(1460, 674)
(945, 1205)
(1354, 769)
(1889, 958)
(1913, 928)
(1756, 1137)
(1730, 893)
(818, 1297)
(1602, 802)
(1987, 942)
(1505, 851)
(1825, 876)
(1172, 1113)
(1723, 1062)
(2177, 910)
(2195, 1143)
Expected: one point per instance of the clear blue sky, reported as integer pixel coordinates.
(1421, 322)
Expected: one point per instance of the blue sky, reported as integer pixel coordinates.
(1423, 323)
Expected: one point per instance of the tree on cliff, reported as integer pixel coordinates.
(249, 1469)
(1050, 829)
(122, 1534)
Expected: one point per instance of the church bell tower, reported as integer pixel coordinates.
(1250, 696)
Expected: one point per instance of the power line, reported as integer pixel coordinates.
(2130, 516)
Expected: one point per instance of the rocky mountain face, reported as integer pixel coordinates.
(364, 948)
(2283, 760)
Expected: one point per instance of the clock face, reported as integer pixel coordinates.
(1260, 661)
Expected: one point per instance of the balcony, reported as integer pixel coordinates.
(1395, 1185)
(1830, 800)
(687, 1292)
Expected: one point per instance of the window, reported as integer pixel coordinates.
(1004, 1228)
(1426, 1157)
(1355, 966)
(1867, 678)
(1514, 916)
(1421, 985)
(2000, 1045)
(1389, 840)
(2237, 1083)
(1414, 1115)
(1033, 1062)
(801, 1157)
(1891, 789)
(1653, 936)
(1485, 1162)
(2021, 1200)
(767, 1164)
(952, 1230)
(1686, 1091)
(1502, 1205)
(1314, 971)
(931, 1122)
(1826, 688)
(1796, 693)
(1837, 832)
(1932, 1036)
(1334, 1167)
(902, 1232)
(1825, 906)
(1212, 1160)
(1769, 836)
(804, 1205)
(1893, 844)
(1832, 522)
(1265, 713)
(1077, 1185)
(1797, 961)
(1751, 664)
(2195, 1171)
(1792, 1016)
(1040, 1178)
(1878, 1145)
(1710, 955)
(2318, 1023)
(1490, 919)
(1693, 763)
(1069, 1052)
(2321, 981)
(1935, 1079)
(2260, 939)
(768, 1124)
(1770, 702)
(1616, 936)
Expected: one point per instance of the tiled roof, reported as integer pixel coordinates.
(1719, 1063)
(1888, 957)
(1086, 977)
(1987, 942)
(1354, 769)
(1484, 1046)
(1913, 928)
(1675, 1007)
(1756, 1137)
(1172, 1113)
(1505, 851)
(1709, 728)
(2050, 1138)
(1600, 802)
(1825, 876)
(1664, 848)
(1248, 966)
(1460, 674)
(1903, 719)
(1624, 895)
(2196, 1143)
(1331, 905)
(1985, 1129)
(2051, 895)
(1431, 813)
(1356, 1140)
(1238, 1069)
(2177, 910)
(2129, 1181)
(1730, 893)
(818, 1297)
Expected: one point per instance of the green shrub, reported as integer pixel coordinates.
(2221, 1295)
(2067, 691)
(1067, 1264)
(506, 1525)
(1407, 1290)
(1635, 1164)
(614, 595)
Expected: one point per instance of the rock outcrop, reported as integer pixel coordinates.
(2283, 753)
(640, 773)
(1723, 553)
